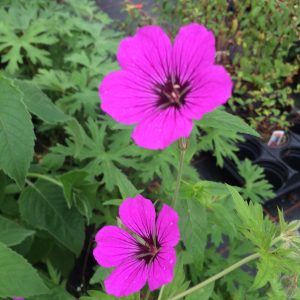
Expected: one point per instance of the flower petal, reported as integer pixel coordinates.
(138, 214)
(114, 245)
(194, 48)
(211, 87)
(161, 129)
(147, 54)
(126, 97)
(127, 278)
(167, 230)
(161, 271)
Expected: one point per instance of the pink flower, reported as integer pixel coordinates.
(163, 87)
(16, 298)
(144, 251)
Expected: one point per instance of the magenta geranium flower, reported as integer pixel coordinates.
(143, 251)
(163, 87)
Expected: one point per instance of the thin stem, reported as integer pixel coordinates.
(179, 175)
(138, 296)
(86, 258)
(45, 177)
(161, 292)
(147, 294)
(217, 276)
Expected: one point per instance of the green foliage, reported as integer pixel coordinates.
(258, 229)
(279, 249)
(100, 274)
(90, 145)
(221, 120)
(204, 293)
(56, 292)
(22, 37)
(219, 208)
(79, 190)
(256, 187)
(66, 167)
(193, 227)
(39, 104)
(52, 214)
(179, 284)
(95, 295)
(222, 132)
(11, 233)
(16, 132)
(17, 276)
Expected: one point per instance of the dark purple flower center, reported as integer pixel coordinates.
(148, 250)
(172, 93)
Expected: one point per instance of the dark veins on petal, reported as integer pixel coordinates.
(172, 93)
(148, 250)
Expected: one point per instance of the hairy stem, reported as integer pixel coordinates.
(147, 294)
(45, 177)
(217, 276)
(180, 169)
(138, 296)
(161, 293)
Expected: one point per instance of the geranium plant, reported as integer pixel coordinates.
(107, 203)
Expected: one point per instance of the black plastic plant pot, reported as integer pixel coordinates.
(276, 173)
(281, 163)
(296, 128)
(206, 165)
(249, 150)
(291, 156)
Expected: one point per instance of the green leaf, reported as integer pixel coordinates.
(100, 275)
(259, 230)
(57, 292)
(241, 206)
(62, 259)
(17, 276)
(73, 181)
(114, 202)
(52, 161)
(256, 187)
(264, 274)
(54, 80)
(11, 233)
(16, 133)
(192, 224)
(220, 119)
(18, 44)
(127, 189)
(96, 295)
(99, 155)
(178, 284)
(75, 130)
(79, 190)
(39, 104)
(222, 143)
(223, 131)
(203, 293)
(219, 207)
(52, 214)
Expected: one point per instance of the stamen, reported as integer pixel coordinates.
(172, 93)
(149, 250)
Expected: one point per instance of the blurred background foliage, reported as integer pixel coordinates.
(258, 42)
